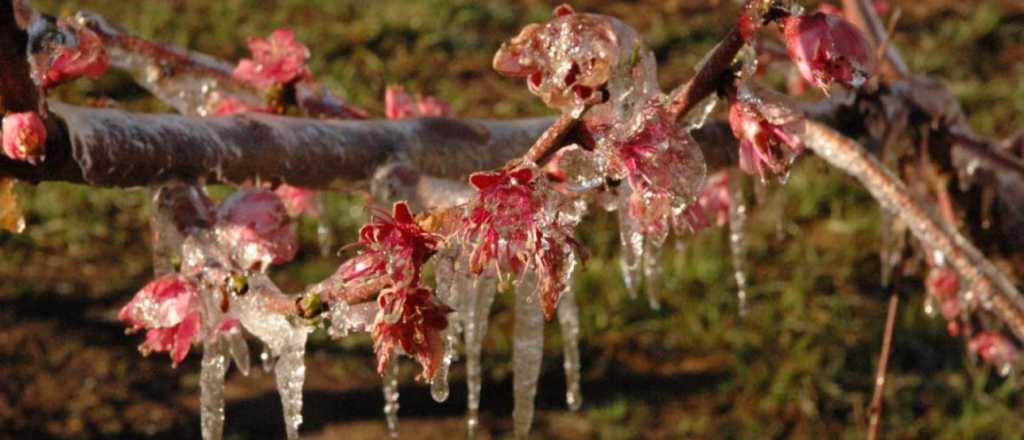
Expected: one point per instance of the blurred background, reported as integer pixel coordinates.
(800, 365)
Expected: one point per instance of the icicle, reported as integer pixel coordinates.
(569, 320)
(238, 348)
(391, 398)
(475, 313)
(737, 241)
(527, 352)
(452, 287)
(631, 254)
(211, 390)
(290, 373)
(652, 273)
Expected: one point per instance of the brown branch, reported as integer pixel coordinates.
(706, 81)
(989, 286)
(883, 364)
(17, 91)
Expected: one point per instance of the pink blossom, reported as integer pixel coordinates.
(87, 58)
(394, 249)
(257, 226)
(712, 205)
(24, 137)
(297, 200)
(994, 348)
(826, 49)
(279, 59)
(767, 134)
(168, 308)
(398, 105)
(411, 318)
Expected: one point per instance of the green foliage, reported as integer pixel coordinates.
(799, 365)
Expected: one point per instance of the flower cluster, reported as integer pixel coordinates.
(24, 137)
(394, 249)
(278, 59)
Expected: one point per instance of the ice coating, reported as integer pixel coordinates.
(451, 289)
(211, 390)
(177, 209)
(390, 388)
(826, 49)
(768, 129)
(527, 353)
(569, 321)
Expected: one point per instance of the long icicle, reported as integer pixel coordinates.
(391, 397)
(737, 239)
(527, 353)
(290, 372)
(990, 286)
(476, 306)
(211, 389)
(569, 321)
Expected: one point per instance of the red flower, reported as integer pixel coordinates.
(412, 319)
(826, 49)
(516, 224)
(767, 133)
(944, 285)
(24, 137)
(995, 349)
(256, 226)
(393, 247)
(278, 59)
(711, 207)
(87, 58)
(398, 104)
(501, 226)
(168, 308)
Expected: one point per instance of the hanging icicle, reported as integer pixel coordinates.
(391, 398)
(211, 389)
(737, 239)
(527, 353)
(569, 320)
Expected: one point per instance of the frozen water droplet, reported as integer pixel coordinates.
(391, 398)
(569, 320)
(266, 360)
(527, 353)
(475, 313)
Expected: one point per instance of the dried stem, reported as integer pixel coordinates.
(883, 364)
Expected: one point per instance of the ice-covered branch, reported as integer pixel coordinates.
(989, 287)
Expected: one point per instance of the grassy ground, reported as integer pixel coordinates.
(800, 365)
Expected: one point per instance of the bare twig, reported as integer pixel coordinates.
(875, 410)
(991, 289)
(717, 63)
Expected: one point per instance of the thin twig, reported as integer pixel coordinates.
(883, 363)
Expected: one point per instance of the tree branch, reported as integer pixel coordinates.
(875, 410)
(989, 286)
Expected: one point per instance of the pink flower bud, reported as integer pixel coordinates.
(24, 137)
(88, 58)
(279, 59)
(255, 224)
(826, 49)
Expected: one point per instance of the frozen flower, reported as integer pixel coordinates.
(826, 49)
(398, 104)
(394, 249)
(500, 227)
(24, 137)
(168, 308)
(256, 226)
(995, 349)
(297, 200)
(87, 58)
(711, 207)
(564, 60)
(278, 59)
(768, 134)
(411, 319)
